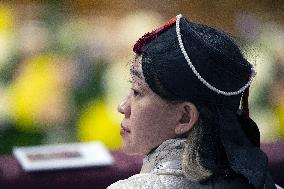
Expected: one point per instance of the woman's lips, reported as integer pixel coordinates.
(124, 130)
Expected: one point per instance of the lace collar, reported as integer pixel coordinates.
(166, 158)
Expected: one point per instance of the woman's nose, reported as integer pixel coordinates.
(123, 107)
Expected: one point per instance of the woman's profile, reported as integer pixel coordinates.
(187, 112)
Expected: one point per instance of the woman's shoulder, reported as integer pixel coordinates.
(138, 181)
(157, 181)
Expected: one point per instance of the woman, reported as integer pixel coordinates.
(183, 112)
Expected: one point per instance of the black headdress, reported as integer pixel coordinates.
(218, 76)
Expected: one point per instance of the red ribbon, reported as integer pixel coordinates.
(146, 38)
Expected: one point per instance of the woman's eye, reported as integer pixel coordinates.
(135, 92)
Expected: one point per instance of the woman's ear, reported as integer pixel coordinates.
(187, 118)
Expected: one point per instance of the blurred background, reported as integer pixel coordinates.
(64, 66)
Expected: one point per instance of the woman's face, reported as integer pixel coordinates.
(148, 119)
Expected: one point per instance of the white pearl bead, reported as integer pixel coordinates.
(225, 93)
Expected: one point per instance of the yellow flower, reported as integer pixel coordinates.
(96, 123)
(6, 18)
(35, 84)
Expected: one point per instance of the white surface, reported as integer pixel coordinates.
(90, 154)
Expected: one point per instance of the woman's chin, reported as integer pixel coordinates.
(129, 149)
(126, 148)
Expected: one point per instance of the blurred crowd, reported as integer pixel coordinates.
(62, 75)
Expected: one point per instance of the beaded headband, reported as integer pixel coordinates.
(211, 87)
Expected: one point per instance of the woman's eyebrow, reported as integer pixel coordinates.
(135, 72)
